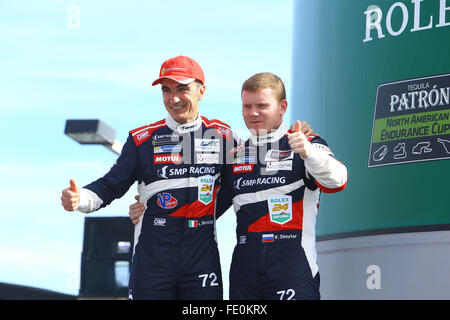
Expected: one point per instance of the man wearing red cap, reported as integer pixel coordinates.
(178, 163)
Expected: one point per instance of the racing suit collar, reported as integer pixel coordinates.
(270, 137)
(184, 128)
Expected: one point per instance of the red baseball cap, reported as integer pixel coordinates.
(180, 69)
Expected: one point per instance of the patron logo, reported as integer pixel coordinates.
(411, 120)
(280, 209)
(205, 189)
(242, 168)
(166, 201)
(167, 158)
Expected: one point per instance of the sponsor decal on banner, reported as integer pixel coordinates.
(205, 189)
(167, 158)
(166, 200)
(242, 168)
(280, 209)
(281, 165)
(207, 145)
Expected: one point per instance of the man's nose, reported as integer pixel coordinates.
(254, 112)
(173, 98)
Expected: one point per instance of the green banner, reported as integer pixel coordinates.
(425, 124)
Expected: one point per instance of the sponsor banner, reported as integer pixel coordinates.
(280, 209)
(411, 122)
(242, 168)
(207, 145)
(167, 158)
(166, 200)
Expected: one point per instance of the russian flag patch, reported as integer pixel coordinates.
(268, 238)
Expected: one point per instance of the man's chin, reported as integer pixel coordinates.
(258, 131)
(180, 118)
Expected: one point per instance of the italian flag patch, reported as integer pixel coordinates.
(193, 223)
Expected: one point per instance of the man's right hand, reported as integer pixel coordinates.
(136, 210)
(70, 198)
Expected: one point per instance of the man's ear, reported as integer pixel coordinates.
(283, 106)
(201, 91)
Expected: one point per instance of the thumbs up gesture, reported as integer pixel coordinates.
(298, 141)
(70, 198)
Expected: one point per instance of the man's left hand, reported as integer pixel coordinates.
(298, 141)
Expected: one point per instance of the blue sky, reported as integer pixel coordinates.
(64, 59)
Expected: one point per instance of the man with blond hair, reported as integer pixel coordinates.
(275, 185)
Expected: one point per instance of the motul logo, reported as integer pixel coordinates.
(242, 168)
(167, 158)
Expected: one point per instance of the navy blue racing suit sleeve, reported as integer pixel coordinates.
(224, 198)
(115, 183)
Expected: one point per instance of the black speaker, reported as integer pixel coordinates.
(106, 258)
